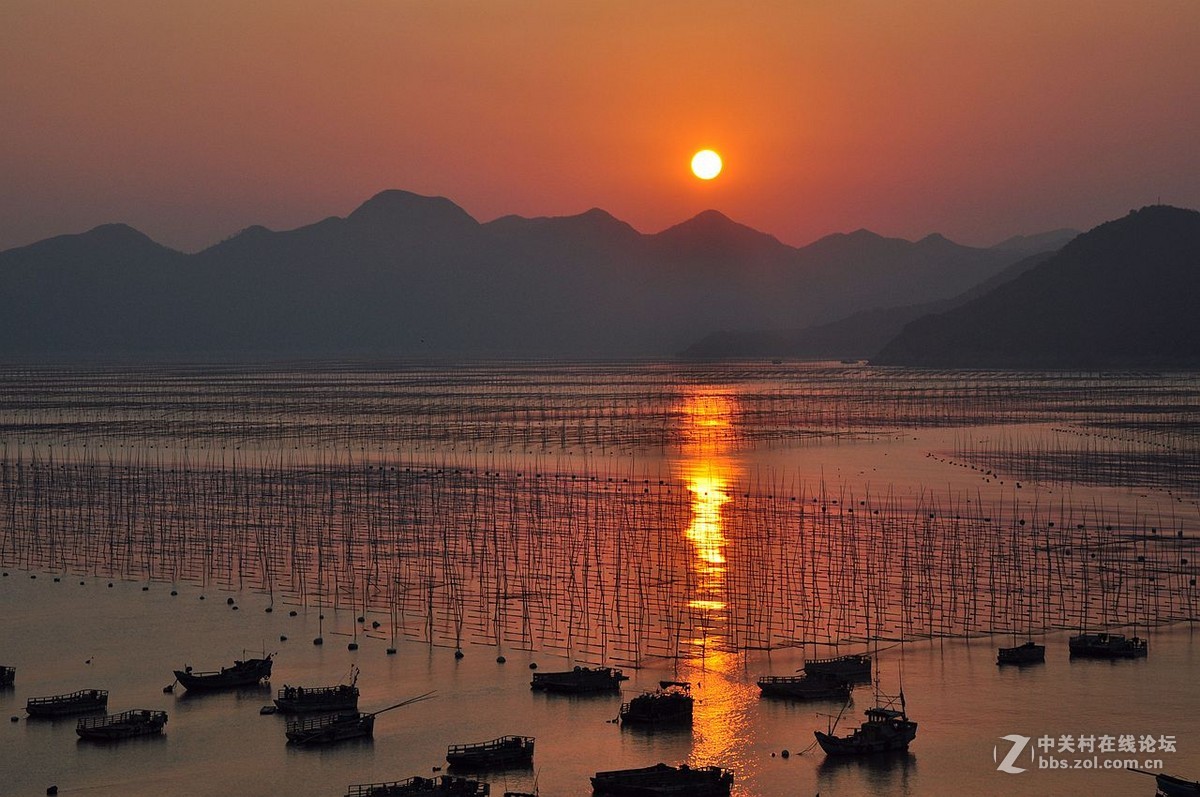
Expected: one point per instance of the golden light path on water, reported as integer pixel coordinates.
(721, 718)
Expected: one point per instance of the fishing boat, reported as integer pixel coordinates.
(660, 779)
(853, 667)
(886, 729)
(579, 680)
(670, 704)
(507, 751)
(333, 728)
(313, 699)
(80, 702)
(126, 725)
(1029, 653)
(1107, 646)
(249, 672)
(8, 676)
(446, 785)
(1171, 786)
(805, 687)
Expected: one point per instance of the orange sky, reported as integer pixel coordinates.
(974, 118)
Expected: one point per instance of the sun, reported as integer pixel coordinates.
(706, 164)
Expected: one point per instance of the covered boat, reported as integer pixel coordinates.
(80, 702)
(805, 687)
(446, 785)
(579, 680)
(886, 730)
(853, 667)
(663, 780)
(1029, 653)
(331, 728)
(670, 704)
(1107, 646)
(507, 751)
(313, 699)
(126, 725)
(243, 673)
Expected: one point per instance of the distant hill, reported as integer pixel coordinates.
(1122, 295)
(408, 275)
(858, 336)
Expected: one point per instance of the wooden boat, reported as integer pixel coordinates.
(579, 680)
(853, 667)
(1169, 785)
(80, 702)
(1029, 653)
(333, 728)
(313, 699)
(805, 687)
(670, 704)
(243, 673)
(885, 730)
(1107, 646)
(446, 785)
(126, 725)
(507, 751)
(8, 676)
(660, 779)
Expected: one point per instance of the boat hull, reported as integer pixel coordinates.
(1171, 786)
(805, 687)
(504, 753)
(326, 700)
(661, 780)
(1029, 653)
(895, 738)
(581, 680)
(855, 668)
(1106, 646)
(446, 785)
(332, 730)
(127, 725)
(243, 673)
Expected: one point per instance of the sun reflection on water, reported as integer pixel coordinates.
(721, 717)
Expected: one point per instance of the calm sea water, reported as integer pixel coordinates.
(684, 486)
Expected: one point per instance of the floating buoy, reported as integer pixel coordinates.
(57, 579)
(267, 710)
(283, 637)
(145, 589)
(391, 651)
(458, 654)
(201, 597)
(13, 718)
(352, 646)
(786, 754)
(500, 659)
(362, 619)
(52, 790)
(533, 665)
(269, 610)
(34, 576)
(229, 601)
(318, 641)
(375, 624)
(235, 608)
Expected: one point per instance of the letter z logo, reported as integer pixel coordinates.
(1018, 745)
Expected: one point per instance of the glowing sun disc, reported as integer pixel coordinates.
(706, 164)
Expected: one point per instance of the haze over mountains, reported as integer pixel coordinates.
(407, 275)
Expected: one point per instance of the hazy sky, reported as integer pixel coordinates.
(974, 118)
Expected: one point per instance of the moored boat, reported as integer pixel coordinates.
(670, 704)
(80, 702)
(1171, 786)
(885, 730)
(805, 687)
(243, 673)
(126, 725)
(1107, 646)
(313, 699)
(331, 728)
(438, 786)
(661, 779)
(1029, 653)
(506, 751)
(579, 680)
(8, 676)
(853, 667)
